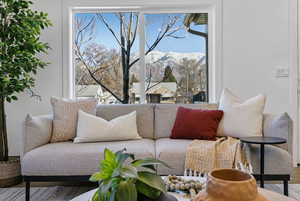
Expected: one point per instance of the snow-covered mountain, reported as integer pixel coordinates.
(160, 60)
(175, 57)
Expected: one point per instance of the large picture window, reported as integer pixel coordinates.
(132, 57)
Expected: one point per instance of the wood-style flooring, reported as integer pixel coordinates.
(295, 179)
(296, 176)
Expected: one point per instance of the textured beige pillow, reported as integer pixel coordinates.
(65, 116)
(241, 118)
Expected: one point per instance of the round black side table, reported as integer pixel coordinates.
(262, 141)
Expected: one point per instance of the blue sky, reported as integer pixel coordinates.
(154, 22)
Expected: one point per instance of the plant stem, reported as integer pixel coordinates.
(3, 132)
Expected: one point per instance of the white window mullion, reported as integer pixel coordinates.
(142, 64)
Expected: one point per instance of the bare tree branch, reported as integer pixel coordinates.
(83, 29)
(149, 87)
(166, 32)
(173, 32)
(129, 29)
(100, 16)
(103, 68)
(149, 79)
(125, 40)
(124, 26)
(92, 75)
(152, 47)
(135, 30)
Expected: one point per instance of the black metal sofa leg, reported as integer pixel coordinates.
(286, 187)
(27, 194)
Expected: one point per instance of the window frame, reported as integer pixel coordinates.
(214, 43)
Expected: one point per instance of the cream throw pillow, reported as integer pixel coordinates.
(241, 119)
(91, 128)
(65, 116)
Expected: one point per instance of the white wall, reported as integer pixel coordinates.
(255, 41)
(49, 80)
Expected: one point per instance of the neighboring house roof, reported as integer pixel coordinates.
(166, 89)
(94, 91)
(88, 90)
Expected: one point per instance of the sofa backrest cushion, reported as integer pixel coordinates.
(37, 132)
(145, 116)
(279, 126)
(165, 115)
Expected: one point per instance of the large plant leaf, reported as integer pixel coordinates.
(103, 196)
(152, 180)
(110, 157)
(108, 165)
(148, 162)
(105, 190)
(105, 185)
(113, 195)
(122, 157)
(129, 171)
(115, 183)
(106, 171)
(116, 172)
(147, 190)
(126, 191)
(97, 176)
(96, 196)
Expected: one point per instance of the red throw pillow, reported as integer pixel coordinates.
(196, 124)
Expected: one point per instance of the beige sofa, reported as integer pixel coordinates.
(42, 161)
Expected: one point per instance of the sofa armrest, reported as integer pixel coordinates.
(37, 131)
(279, 126)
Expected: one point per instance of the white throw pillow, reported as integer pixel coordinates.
(241, 119)
(91, 128)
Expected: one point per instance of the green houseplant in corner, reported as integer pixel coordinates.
(120, 180)
(20, 29)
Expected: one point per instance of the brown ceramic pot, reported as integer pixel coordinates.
(230, 185)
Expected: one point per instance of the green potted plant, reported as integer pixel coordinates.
(120, 180)
(20, 29)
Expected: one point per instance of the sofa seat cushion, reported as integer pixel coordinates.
(277, 160)
(67, 158)
(171, 151)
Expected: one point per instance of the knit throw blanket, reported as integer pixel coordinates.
(202, 156)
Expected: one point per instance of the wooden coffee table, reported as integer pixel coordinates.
(180, 197)
(271, 196)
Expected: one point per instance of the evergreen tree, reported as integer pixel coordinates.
(168, 75)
